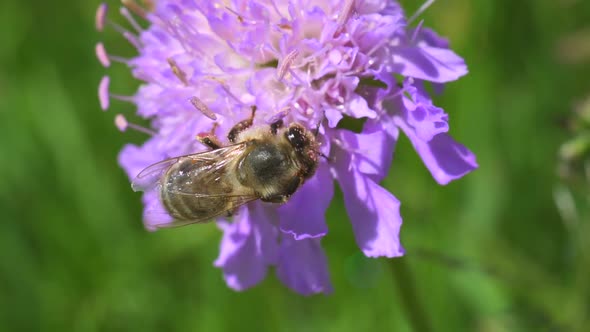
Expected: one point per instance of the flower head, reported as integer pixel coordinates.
(311, 62)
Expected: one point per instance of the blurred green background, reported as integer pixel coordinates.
(490, 252)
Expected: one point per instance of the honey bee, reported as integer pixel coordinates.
(268, 163)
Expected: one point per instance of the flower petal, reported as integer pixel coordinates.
(373, 211)
(304, 215)
(357, 107)
(333, 115)
(154, 213)
(446, 159)
(248, 246)
(427, 119)
(134, 158)
(372, 149)
(302, 266)
(427, 36)
(429, 63)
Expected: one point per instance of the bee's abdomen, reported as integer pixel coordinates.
(186, 199)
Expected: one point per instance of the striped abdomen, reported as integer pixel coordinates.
(193, 191)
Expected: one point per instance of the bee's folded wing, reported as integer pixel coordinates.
(159, 218)
(149, 178)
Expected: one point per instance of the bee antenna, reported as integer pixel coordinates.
(328, 159)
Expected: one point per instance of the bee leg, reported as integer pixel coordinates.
(241, 126)
(288, 190)
(274, 127)
(275, 199)
(210, 139)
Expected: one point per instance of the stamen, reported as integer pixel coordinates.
(130, 18)
(240, 18)
(177, 71)
(101, 13)
(416, 31)
(135, 8)
(132, 39)
(231, 94)
(279, 115)
(116, 26)
(285, 26)
(102, 55)
(129, 99)
(314, 56)
(299, 79)
(276, 8)
(105, 58)
(103, 93)
(149, 4)
(420, 10)
(317, 128)
(202, 107)
(225, 88)
(122, 124)
(402, 89)
(269, 49)
(345, 12)
(285, 64)
(377, 46)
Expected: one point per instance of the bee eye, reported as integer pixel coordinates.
(296, 137)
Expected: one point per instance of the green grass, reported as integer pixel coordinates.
(486, 253)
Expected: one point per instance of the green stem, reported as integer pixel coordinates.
(404, 282)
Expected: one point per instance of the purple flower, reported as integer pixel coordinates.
(311, 62)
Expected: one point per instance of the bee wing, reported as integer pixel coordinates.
(206, 174)
(160, 214)
(215, 160)
(150, 176)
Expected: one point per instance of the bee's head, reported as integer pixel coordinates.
(305, 145)
(297, 136)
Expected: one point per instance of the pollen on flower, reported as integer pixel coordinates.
(285, 64)
(177, 71)
(202, 107)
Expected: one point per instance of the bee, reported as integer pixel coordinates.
(267, 162)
